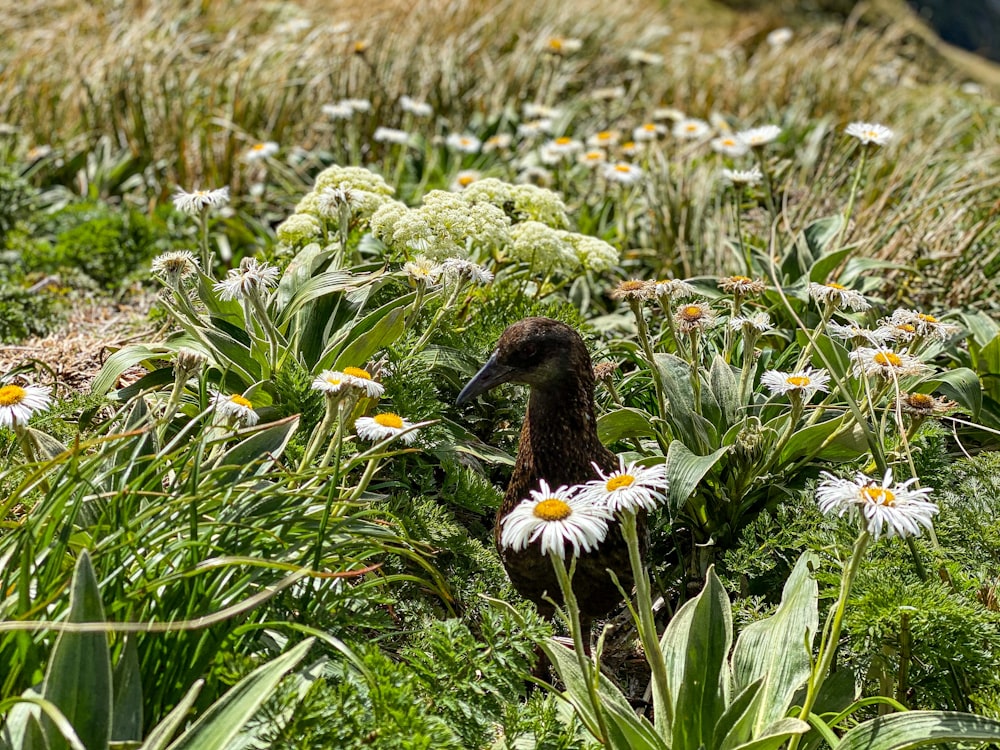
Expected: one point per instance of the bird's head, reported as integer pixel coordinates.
(539, 352)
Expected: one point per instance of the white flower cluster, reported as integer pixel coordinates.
(445, 226)
(543, 248)
(299, 229)
(525, 202)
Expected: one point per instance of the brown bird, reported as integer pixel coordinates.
(559, 444)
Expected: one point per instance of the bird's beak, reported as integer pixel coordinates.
(489, 376)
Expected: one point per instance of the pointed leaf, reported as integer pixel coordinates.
(685, 470)
(78, 677)
(704, 691)
(126, 716)
(776, 735)
(382, 334)
(119, 362)
(778, 649)
(224, 719)
(724, 387)
(917, 728)
(962, 384)
(257, 453)
(162, 732)
(623, 423)
(736, 725)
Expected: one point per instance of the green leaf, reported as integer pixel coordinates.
(725, 388)
(78, 677)
(298, 271)
(119, 362)
(224, 719)
(963, 385)
(46, 446)
(257, 454)
(824, 266)
(384, 333)
(695, 430)
(316, 287)
(628, 730)
(917, 728)
(162, 732)
(807, 441)
(685, 470)
(126, 715)
(778, 649)
(819, 236)
(776, 735)
(735, 726)
(623, 423)
(703, 693)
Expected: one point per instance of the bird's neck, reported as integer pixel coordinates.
(559, 441)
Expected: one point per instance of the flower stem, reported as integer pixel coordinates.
(587, 669)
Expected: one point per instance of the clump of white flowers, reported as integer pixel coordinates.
(525, 202)
(298, 229)
(545, 249)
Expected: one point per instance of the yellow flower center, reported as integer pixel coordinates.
(240, 401)
(906, 328)
(553, 509)
(389, 420)
(604, 135)
(691, 127)
(834, 285)
(555, 43)
(927, 318)
(623, 168)
(257, 147)
(11, 395)
(632, 285)
(357, 372)
(740, 279)
(201, 193)
(334, 381)
(564, 140)
(728, 141)
(622, 480)
(878, 495)
(920, 400)
(799, 381)
(692, 312)
(466, 179)
(628, 145)
(888, 359)
(649, 127)
(593, 156)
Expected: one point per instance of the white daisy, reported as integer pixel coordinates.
(855, 333)
(604, 139)
(838, 295)
(390, 135)
(339, 111)
(536, 111)
(642, 57)
(259, 151)
(607, 93)
(924, 405)
(384, 426)
(594, 157)
(556, 519)
(464, 144)
(925, 326)
(695, 316)
(533, 128)
(759, 322)
(460, 268)
(414, 107)
(562, 148)
(334, 381)
(780, 37)
(18, 403)
(895, 508)
(622, 172)
(363, 380)
(674, 289)
(742, 285)
(194, 203)
(358, 105)
(803, 383)
(648, 131)
(252, 278)
(870, 133)
(634, 289)
(729, 145)
(628, 488)
(885, 362)
(751, 176)
(498, 142)
(175, 265)
(422, 269)
(691, 129)
(561, 45)
(760, 136)
(463, 179)
(235, 408)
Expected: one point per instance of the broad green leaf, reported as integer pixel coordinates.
(917, 728)
(824, 266)
(316, 287)
(810, 441)
(623, 423)
(157, 378)
(676, 376)
(224, 719)
(126, 715)
(384, 333)
(298, 271)
(46, 446)
(778, 649)
(162, 732)
(982, 327)
(119, 362)
(673, 645)
(257, 453)
(819, 236)
(78, 678)
(629, 731)
(735, 726)
(776, 735)
(704, 691)
(685, 470)
(724, 387)
(963, 385)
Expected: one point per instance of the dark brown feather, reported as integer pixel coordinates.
(559, 444)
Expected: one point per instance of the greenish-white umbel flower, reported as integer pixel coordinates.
(298, 230)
